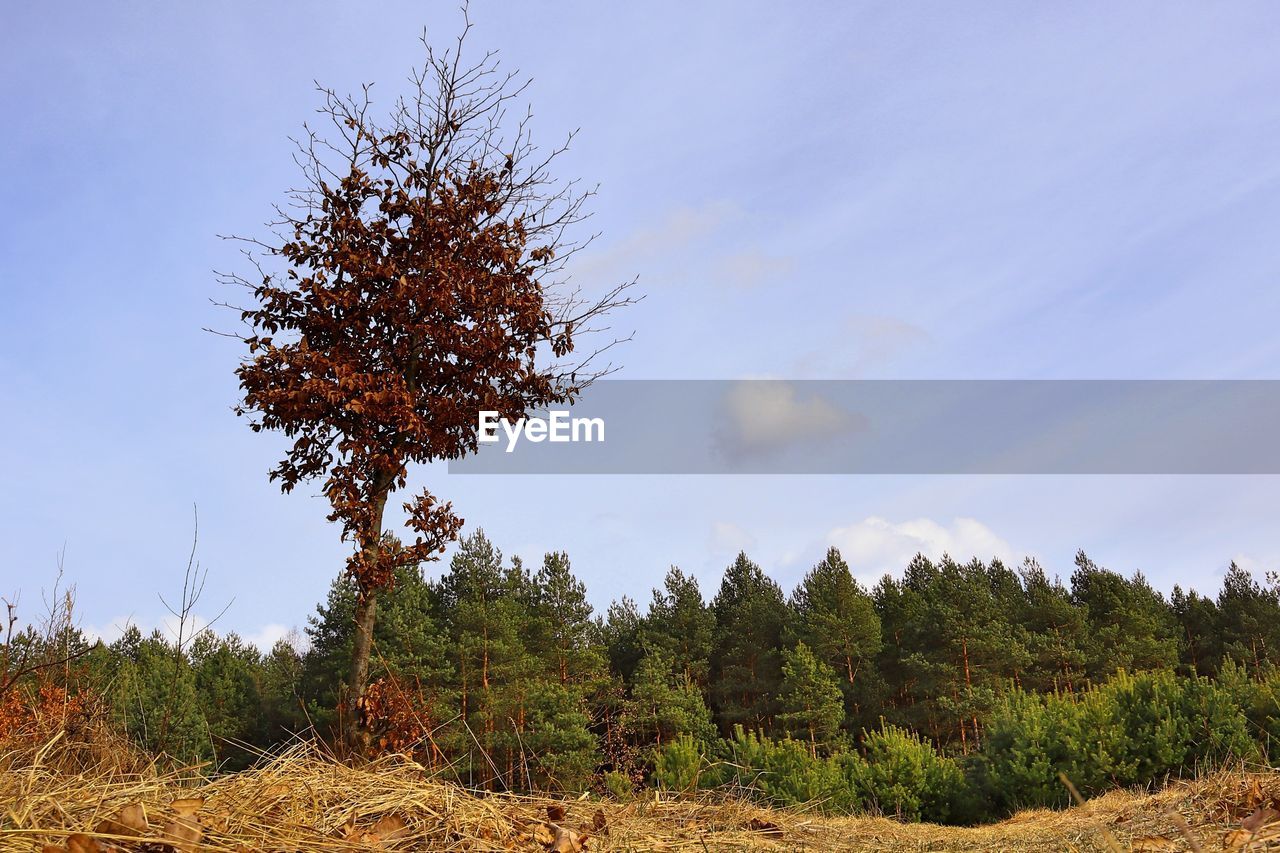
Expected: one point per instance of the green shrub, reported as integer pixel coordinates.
(681, 765)
(1258, 697)
(903, 776)
(784, 772)
(619, 785)
(1130, 730)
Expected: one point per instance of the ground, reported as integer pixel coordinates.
(304, 801)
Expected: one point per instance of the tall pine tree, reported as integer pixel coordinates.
(746, 662)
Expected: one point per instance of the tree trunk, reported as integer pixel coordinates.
(357, 735)
(366, 615)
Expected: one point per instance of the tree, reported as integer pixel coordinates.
(1199, 620)
(664, 703)
(1131, 625)
(411, 648)
(413, 281)
(836, 618)
(228, 693)
(812, 706)
(565, 635)
(681, 625)
(282, 711)
(154, 696)
(746, 666)
(488, 619)
(1248, 619)
(621, 630)
(1056, 631)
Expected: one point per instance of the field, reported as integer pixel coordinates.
(303, 800)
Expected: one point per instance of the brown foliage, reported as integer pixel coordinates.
(418, 285)
(399, 721)
(37, 713)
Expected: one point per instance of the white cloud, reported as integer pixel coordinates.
(194, 624)
(1255, 565)
(730, 538)
(267, 636)
(109, 632)
(763, 416)
(264, 638)
(874, 546)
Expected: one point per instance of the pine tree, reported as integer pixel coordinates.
(489, 617)
(621, 631)
(680, 624)
(1199, 620)
(1131, 626)
(1248, 620)
(154, 697)
(836, 618)
(225, 674)
(281, 679)
(1056, 631)
(811, 703)
(665, 704)
(565, 635)
(408, 645)
(555, 747)
(746, 667)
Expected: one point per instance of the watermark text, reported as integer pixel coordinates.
(556, 427)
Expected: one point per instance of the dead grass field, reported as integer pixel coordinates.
(303, 801)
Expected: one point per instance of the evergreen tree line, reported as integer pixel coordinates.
(958, 692)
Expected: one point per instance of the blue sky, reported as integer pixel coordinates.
(994, 190)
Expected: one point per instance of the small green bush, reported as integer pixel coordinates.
(784, 772)
(681, 765)
(903, 776)
(619, 785)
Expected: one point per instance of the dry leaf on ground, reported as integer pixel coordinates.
(1154, 843)
(129, 822)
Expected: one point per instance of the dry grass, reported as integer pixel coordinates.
(302, 800)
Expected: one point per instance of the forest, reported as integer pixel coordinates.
(956, 693)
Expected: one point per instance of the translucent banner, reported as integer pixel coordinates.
(893, 427)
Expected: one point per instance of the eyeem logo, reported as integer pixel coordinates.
(559, 427)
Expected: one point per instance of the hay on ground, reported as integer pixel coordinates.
(303, 800)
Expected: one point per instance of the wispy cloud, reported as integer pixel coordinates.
(863, 344)
(680, 228)
(751, 268)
